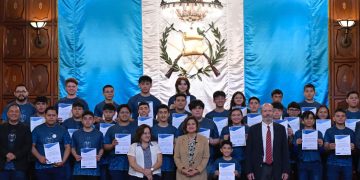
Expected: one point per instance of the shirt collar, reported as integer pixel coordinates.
(264, 124)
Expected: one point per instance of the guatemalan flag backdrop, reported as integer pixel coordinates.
(267, 44)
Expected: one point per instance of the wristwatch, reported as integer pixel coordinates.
(152, 169)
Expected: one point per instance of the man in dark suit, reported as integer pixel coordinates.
(267, 149)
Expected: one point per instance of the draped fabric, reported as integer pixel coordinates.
(286, 47)
(100, 43)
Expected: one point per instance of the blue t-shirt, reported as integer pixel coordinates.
(213, 114)
(172, 99)
(98, 111)
(307, 155)
(66, 100)
(26, 111)
(215, 165)
(330, 138)
(172, 111)
(82, 139)
(119, 161)
(44, 134)
(105, 159)
(238, 152)
(72, 124)
(135, 100)
(214, 133)
(168, 163)
(353, 115)
(306, 104)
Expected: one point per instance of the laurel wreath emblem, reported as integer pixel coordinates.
(213, 58)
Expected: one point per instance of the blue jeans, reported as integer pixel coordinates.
(56, 173)
(12, 175)
(117, 174)
(310, 170)
(335, 172)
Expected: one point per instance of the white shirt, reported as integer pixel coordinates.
(264, 131)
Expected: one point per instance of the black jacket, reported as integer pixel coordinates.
(255, 152)
(21, 146)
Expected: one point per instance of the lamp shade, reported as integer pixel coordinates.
(38, 24)
(346, 23)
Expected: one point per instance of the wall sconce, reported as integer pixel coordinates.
(346, 25)
(39, 40)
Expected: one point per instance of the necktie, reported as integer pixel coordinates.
(268, 154)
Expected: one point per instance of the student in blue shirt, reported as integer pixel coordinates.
(145, 83)
(86, 137)
(309, 93)
(75, 121)
(179, 105)
(352, 99)
(235, 119)
(254, 105)
(26, 108)
(338, 165)
(168, 169)
(219, 98)
(41, 103)
(71, 87)
(119, 165)
(197, 110)
(238, 100)
(278, 110)
(277, 97)
(108, 114)
(108, 92)
(50, 132)
(182, 86)
(308, 161)
(226, 150)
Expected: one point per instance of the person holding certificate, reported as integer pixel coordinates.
(339, 164)
(164, 134)
(118, 162)
(144, 156)
(308, 143)
(226, 148)
(15, 144)
(87, 149)
(191, 153)
(235, 120)
(51, 148)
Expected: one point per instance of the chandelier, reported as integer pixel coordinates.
(191, 10)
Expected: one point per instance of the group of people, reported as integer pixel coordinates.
(145, 139)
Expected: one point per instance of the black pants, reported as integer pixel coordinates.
(267, 172)
(168, 175)
(86, 177)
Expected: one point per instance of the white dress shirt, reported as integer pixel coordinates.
(264, 131)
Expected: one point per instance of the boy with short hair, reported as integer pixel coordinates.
(226, 150)
(108, 92)
(168, 168)
(309, 93)
(145, 83)
(143, 109)
(85, 138)
(254, 105)
(75, 121)
(338, 165)
(179, 105)
(294, 109)
(277, 95)
(41, 103)
(352, 99)
(71, 87)
(278, 110)
(219, 98)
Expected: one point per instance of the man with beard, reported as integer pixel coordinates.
(26, 108)
(267, 149)
(15, 143)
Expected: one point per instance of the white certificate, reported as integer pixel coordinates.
(36, 121)
(253, 118)
(71, 132)
(177, 119)
(294, 123)
(342, 145)
(226, 171)
(309, 139)
(64, 111)
(322, 125)
(124, 142)
(284, 123)
(187, 103)
(237, 135)
(145, 120)
(52, 153)
(204, 132)
(351, 123)
(104, 127)
(312, 109)
(220, 122)
(244, 111)
(166, 143)
(88, 158)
